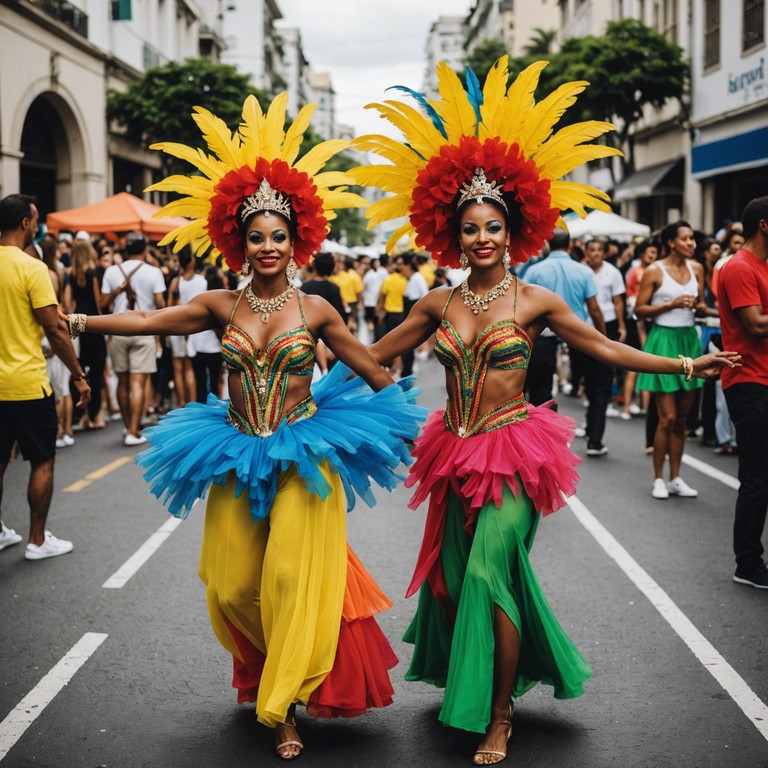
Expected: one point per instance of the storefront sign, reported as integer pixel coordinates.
(750, 85)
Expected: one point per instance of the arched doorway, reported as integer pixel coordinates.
(46, 154)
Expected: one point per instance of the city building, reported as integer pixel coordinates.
(295, 70)
(324, 119)
(445, 42)
(253, 43)
(729, 108)
(57, 62)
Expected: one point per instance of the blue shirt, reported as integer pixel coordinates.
(567, 278)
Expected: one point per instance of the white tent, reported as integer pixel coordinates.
(601, 224)
(331, 246)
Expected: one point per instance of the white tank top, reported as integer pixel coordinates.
(669, 289)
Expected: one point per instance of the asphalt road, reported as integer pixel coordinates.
(643, 587)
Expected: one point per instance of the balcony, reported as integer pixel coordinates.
(65, 12)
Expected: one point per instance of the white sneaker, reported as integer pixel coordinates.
(68, 440)
(659, 490)
(51, 547)
(635, 410)
(60, 442)
(134, 440)
(580, 432)
(566, 388)
(679, 487)
(8, 537)
(612, 412)
(625, 416)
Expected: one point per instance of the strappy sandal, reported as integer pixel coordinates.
(495, 753)
(291, 743)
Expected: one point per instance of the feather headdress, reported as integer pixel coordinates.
(501, 130)
(260, 148)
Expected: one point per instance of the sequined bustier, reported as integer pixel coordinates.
(264, 376)
(503, 345)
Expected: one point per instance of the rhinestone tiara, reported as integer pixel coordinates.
(266, 199)
(479, 187)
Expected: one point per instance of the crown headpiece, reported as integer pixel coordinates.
(254, 168)
(266, 199)
(479, 187)
(456, 143)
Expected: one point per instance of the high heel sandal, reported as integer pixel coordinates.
(290, 743)
(480, 753)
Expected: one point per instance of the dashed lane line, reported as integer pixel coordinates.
(121, 576)
(734, 685)
(32, 705)
(713, 472)
(97, 474)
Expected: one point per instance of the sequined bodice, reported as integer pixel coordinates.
(503, 345)
(264, 376)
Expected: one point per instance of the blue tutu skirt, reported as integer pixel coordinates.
(360, 433)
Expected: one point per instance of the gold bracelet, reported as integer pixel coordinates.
(687, 364)
(76, 324)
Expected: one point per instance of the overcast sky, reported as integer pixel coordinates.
(367, 45)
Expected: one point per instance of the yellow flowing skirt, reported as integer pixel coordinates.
(281, 591)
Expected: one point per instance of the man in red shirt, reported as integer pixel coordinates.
(743, 300)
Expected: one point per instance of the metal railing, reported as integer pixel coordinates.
(65, 12)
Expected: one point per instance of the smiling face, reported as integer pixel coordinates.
(595, 254)
(683, 243)
(268, 244)
(483, 234)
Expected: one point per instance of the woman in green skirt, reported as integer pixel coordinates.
(671, 294)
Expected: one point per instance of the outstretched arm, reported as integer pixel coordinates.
(421, 323)
(180, 320)
(586, 339)
(347, 348)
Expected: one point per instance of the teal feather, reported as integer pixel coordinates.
(425, 105)
(474, 92)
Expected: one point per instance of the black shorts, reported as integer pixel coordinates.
(370, 315)
(30, 423)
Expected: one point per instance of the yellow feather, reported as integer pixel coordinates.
(494, 90)
(332, 179)
(387, 209)
(251, 129)
(570, 195)
(387, 177)
(210, 166)
(342, 199)
(319, 155)
(417, 130)
(561, 164)
(458, 114)
(570, 136)
(507, 122)
(190, 207)
(194, 186)
(183, 235)
(274, 134)
(405, 229)
(218, 137)
(388, 148)
(295, 134)
(538, 126)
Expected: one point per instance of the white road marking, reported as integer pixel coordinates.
(32, 705)
(744, 697)
(120, 577)
(713, 472)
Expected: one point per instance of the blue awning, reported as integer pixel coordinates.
(746, 150)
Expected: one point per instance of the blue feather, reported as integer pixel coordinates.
(426, 106)
(474, 92)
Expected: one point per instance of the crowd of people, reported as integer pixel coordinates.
(239, 343)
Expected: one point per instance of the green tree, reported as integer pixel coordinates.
(540, 43)
(630, 67)
(158, 107)
(482, 58)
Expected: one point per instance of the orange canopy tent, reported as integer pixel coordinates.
(122, 212)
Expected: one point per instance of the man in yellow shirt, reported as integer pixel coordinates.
(27, 408)
(351, 286)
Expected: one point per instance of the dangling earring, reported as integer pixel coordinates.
(506, 259)
(290, 271)
(246, 268)
(463, 260)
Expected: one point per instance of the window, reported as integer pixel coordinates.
(666, 19)
(711, 33)
(121, 10)
(753, 24)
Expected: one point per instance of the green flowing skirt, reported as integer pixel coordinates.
(670, 342)
(483, 570)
